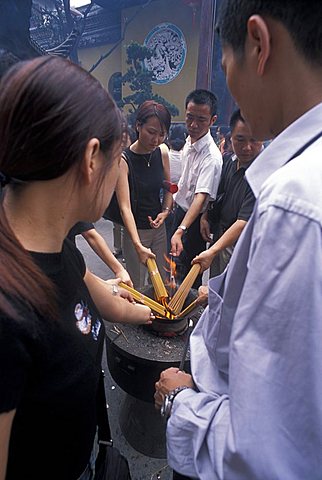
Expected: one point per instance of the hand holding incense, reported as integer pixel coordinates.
(139, 297)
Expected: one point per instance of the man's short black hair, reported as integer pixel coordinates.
(203, 97)
(301, 18)
(235, 117)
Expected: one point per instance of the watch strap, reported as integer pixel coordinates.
(168, 401)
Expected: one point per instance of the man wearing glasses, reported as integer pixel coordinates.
(227, 217)
(202, 163)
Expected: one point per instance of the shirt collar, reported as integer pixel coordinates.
(284, 146)
(244, 167)
(199, 144)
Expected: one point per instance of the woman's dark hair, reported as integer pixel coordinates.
(150, 108)
(177, 136)
(49, 109)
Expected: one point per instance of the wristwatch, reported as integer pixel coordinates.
(168, 401)
(183, 228)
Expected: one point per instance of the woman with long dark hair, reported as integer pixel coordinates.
(60, 136)
(149, 161)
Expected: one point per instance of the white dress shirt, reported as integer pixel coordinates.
(201, 164)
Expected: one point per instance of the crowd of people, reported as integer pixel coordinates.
(250, 407)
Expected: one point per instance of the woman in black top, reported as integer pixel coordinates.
(60, 136)
(148, 156)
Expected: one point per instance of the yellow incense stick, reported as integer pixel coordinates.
(188, 309)
(139, 297)
(156, 279)
(178, 299)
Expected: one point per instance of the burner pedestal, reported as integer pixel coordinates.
(143, 427)
(135, 361)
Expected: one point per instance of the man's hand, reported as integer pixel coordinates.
(176, 243)
(205, 228)
(204, 259)
(202, 295)
(159, 220)
(169, 380)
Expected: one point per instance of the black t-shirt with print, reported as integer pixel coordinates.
(49, 373)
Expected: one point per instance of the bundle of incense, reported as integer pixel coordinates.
(157, 282)
(139, 297)
(178, 299)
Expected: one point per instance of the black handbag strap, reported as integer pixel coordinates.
(104, 431)
(132, 182)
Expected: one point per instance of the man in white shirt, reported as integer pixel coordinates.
(202, 163)
(252, 408)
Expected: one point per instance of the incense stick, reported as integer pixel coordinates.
(139, 297)
(190, 308)
(157, 282)
(178, 299)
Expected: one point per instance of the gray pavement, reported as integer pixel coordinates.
(142, 467)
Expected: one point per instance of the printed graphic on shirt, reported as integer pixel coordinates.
(84, 321)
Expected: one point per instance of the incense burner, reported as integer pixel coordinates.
(135, 360)
(169, 327)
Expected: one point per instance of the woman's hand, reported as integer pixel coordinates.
(133, 312)
(169, 380)
(144, 253)
(142, 315)
(117, 291)
(159, 220)
(123, 276)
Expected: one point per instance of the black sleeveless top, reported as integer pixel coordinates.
(148, 176)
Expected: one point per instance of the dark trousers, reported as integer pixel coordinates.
(193, 244)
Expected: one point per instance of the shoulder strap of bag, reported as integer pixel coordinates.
(132, 182)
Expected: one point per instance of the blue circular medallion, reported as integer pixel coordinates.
(169, 49)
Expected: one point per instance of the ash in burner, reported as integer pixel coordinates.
(164, 327)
